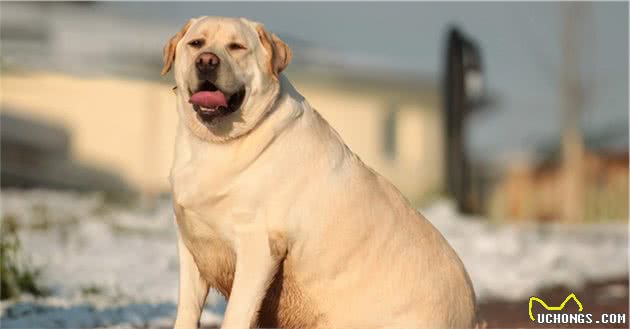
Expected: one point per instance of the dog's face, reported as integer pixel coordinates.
(226, 70)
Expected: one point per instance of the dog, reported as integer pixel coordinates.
(276, 213)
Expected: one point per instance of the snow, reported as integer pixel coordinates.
(514, 261)
(114, 266)
(128, 255)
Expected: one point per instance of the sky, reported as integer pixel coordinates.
(520, 42)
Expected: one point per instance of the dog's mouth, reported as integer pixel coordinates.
(210, 102)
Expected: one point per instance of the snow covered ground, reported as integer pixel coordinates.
(513, 261)
(90, 254)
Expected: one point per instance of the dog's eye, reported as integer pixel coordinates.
(197, 43)
(236, 46)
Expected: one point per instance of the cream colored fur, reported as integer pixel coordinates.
(276, 212)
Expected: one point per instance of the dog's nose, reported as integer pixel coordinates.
(207, 62)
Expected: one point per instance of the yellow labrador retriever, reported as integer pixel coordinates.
(276, 212)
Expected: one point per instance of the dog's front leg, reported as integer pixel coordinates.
(193, 289)
(258, 255)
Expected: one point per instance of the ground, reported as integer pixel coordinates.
(113, 266)
(609, 296)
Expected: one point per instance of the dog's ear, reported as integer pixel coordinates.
(279, 51)
(168, 54)
(283, 53)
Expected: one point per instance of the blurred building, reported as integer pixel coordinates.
(532, 187)
(37, 154)
(121, 115)
(129, 126)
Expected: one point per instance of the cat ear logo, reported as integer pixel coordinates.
(553, 308)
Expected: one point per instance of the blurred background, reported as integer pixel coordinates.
(506, 124)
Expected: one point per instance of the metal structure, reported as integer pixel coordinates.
(463, 91)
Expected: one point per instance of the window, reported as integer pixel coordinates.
(390, 132)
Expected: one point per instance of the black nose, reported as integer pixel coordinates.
(207, 62)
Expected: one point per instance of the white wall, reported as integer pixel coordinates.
(129, 126)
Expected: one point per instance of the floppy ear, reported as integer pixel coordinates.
(280, 52)
(168, 54)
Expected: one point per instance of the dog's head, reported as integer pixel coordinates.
(227, 74)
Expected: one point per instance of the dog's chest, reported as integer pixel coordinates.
(196, 187)
(285, 304)
(203, 202)
(214, 257)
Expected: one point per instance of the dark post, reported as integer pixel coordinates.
(462, 92)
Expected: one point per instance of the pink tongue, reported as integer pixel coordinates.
(208, 99)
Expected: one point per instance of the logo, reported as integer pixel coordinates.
(571, 318)
(553, 308)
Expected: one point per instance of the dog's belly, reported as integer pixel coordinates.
(285, 305)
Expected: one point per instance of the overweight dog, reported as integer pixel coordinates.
(276, 212)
